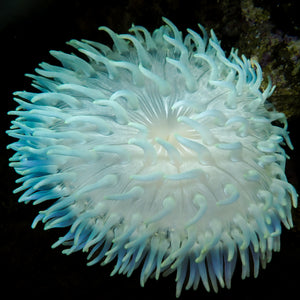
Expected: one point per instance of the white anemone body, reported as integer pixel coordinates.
(160, 153)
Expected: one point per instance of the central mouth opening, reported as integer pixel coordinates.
(167, 128)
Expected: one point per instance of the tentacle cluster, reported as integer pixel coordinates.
(160, 153)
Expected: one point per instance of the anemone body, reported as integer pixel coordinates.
(159, 153)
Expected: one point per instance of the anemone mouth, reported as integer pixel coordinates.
(159, 152)
(164, 128)
(167, 129)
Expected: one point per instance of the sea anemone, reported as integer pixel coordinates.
(159, 153)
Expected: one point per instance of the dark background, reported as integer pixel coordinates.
(28, 30)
